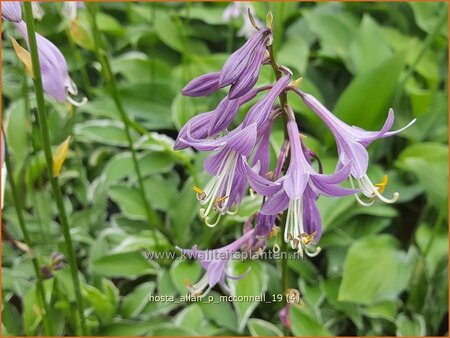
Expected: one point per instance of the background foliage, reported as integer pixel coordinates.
(383, 270)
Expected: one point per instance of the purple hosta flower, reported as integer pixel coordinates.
(57, 263)
(11, 11)
(202, 85)
(241, 70)
(55, 76)
(284, 316)
(297, 191)
(215, 263)
(260, 112)
(228, 184)
(352, 143)
(211, 123)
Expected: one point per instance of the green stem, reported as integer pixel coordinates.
(152, 217)
(426, 45)
(27, 238)
(45, 135)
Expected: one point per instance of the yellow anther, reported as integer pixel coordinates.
(221, 199)
(297, 82)
(382, 185)
(269, 20)
(197, 190)
(306, 239)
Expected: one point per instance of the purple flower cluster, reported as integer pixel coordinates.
(55, 75)
(240, 157)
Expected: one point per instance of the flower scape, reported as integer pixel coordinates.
(224, 168)
(240, 158)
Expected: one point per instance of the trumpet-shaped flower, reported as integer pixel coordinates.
(297, 191)
(55, 76)
(211, 123)
(351, 144)
(215, 263)
(12, 11)
(241, 70)
(228, 184)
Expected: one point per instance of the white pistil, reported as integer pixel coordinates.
(294, 232)
(197, 288)
(371, 191)
(212, 196)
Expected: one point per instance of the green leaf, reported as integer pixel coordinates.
(439, 248)
(103, 131)
(364, 54)
(103, 308)
(294, 53)
(375, 270)
(191, 317)
(427, 13)
(133, 304)
(410, 325)
(254, 284)
(335, 31)
(365, 97)
(219, 312)
(259, 327)
(182, 271)
(127, 265)
(303, 324)
(129, 201)
(150, 164)
(428, 162)
(386, 310)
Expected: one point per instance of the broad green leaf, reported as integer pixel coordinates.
(253, 284)
(429, 163)
(427, 13)
(364, 97)
(183, 272)
(386, 310)
(127, 265)
(410, 325)
(335, 31)
(135, 301)
(219, 312)
(102, 131)
(259, 327)
(103, 308)
(364, 54)
(191, 317)
(151, 163)
(303, 324)
(294, 53)
(439, 248)
(375, 270)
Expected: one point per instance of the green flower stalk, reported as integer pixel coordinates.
(45, 135)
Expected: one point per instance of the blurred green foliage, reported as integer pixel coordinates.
(383, 270)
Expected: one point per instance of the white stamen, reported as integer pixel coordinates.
(83, 101)
(371, 191)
